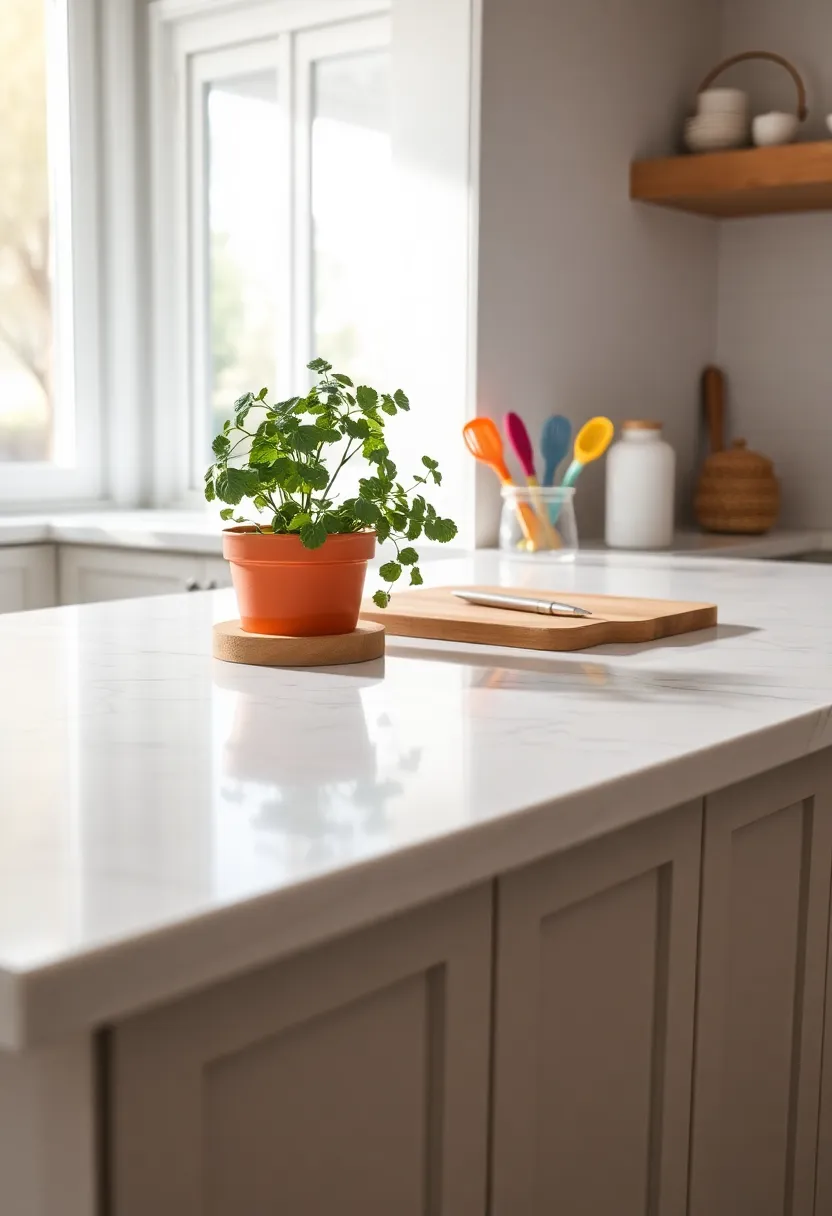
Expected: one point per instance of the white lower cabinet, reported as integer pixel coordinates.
(763, 939)
(350, 1079)
(92, 573)
(594, 1023)
(27, 577)
(217, 573)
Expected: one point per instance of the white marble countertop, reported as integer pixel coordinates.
(167, 820)
(200, 532)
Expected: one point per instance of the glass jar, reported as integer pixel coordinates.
(539, 519)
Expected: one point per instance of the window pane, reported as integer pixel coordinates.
(25, 276)
(351, 209)
(243, 182)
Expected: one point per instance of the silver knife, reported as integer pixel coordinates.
(520, 603)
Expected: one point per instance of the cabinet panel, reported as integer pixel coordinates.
(216, 573)
(594, 1025)
(350, 1079)
(27, 577)
(89, 574)
(823, 1199)
(765, 907)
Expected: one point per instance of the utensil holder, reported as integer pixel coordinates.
(802, 109)
(559, 541)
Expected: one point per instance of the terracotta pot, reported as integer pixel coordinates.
(283, 588)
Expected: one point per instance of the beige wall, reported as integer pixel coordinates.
(775, 276)
(589, 303)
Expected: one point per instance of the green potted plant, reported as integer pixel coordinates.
(299, 570)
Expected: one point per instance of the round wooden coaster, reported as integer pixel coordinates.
(233, 645)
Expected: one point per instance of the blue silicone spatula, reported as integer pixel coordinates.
(554, 444)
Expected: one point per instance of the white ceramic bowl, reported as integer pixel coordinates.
(723, 101)
(769, 130)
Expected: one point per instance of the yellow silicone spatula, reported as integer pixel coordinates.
(591, 441)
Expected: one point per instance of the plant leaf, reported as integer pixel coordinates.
(299, 521)
(381, 599)
(430, 464)
(366, 397)
(221, 445)
(210, 492)
(442, 530)
(306, 438)
(319, 365)
(313, 535)
(401, 399)
(371, 487)
(408, 557)
(341, 378)
(313, 475)
(263, 451)
(357, 428)
(416, 579)
(388, 404)
(390, 571)
(233, 485)
(365, 512)
(226, 513)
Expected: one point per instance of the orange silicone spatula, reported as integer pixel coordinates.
(484, 443)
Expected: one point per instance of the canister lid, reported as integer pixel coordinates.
(740, 462)
(640, 424)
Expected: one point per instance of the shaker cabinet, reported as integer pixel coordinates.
(27, 577)
(91, 573)
(350, 1079)
(596, 972)
(760, 1004)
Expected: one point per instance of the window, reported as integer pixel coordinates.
(48, 383)
(312, 197)
(26, 389)
(351, 240)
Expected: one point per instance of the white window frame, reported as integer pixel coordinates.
(193, 42)
(73, 116)
(436, 171)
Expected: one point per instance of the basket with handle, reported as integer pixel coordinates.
(802, 108)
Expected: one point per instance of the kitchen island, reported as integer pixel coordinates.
(464, 930)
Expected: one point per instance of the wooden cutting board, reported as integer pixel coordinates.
(435, 613)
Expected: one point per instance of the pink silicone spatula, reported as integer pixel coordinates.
(518, 437)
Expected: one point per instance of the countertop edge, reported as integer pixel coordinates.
(192, 533)
(119, 980)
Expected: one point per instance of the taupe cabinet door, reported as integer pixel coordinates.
(349, 1080)
(596, 968)
(765, 913)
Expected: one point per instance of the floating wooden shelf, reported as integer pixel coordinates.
(751, 181)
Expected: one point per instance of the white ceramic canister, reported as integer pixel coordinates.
(641, 472)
